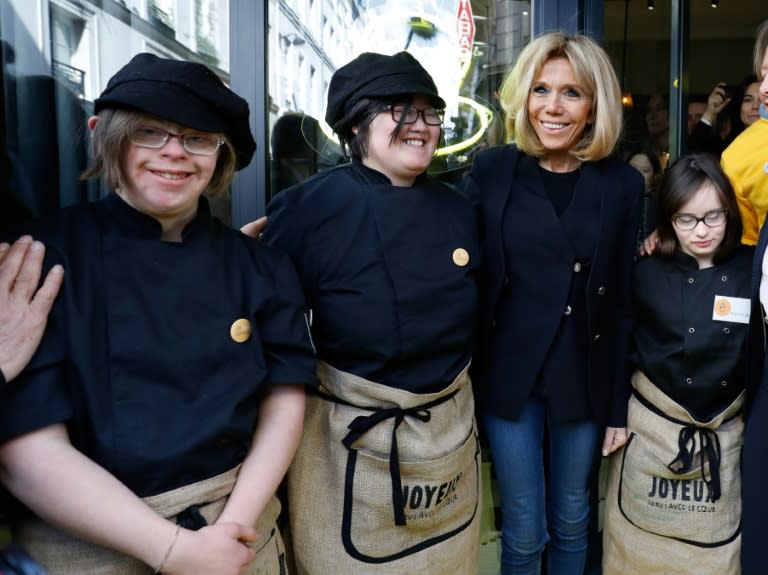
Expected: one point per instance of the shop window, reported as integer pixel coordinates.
(467, 46)
(57, 57)
(717, 47)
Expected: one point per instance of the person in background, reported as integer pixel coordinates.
(709, 132)
(153, 426)
(385, 480)
(745, 160)
(559, 216)
(730, 109)
(749, 111)
(648, 165)
(24, 306)
(697, 106)
(691, 303)
(657, 124)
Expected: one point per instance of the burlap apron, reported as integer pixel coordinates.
(385, 481)
(62, 554)
(674, 491)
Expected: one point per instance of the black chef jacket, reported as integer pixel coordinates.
(389, 272)
(696, 360)
(139, 357)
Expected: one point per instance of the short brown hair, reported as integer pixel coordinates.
(594, 73)
(110, 140)
(679, 185)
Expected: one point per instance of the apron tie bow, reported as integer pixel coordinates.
(709, 458)
(364, 423)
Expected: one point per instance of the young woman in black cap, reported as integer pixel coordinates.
(386, 477)
(153, 426)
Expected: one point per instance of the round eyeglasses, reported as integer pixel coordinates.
(409, 115)
(687, 222)
(199, 143)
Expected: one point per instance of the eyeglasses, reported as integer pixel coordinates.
(687, 222)
(199, 143)
(431, 116)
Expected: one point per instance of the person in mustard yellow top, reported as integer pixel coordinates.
(746, 159)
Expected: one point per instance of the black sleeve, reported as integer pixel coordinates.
(285, 331)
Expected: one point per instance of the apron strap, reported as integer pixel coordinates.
(649, 405)
(364, 423)
(191, 518)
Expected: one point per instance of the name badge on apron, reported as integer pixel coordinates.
(733, 309)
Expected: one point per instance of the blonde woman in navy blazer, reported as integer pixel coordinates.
(559, 216)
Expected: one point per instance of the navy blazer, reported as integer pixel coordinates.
(505, 383)
(755, 452)
(756, 342)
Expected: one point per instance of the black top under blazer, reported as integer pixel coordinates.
(538, 289)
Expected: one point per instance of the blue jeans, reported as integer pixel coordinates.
(533, 515)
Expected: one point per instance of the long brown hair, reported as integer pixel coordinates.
(679, 185)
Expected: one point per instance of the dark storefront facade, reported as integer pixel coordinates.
(280, 54)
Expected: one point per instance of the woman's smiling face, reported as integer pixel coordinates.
(410, 153)
(559, 109)
(166, 182)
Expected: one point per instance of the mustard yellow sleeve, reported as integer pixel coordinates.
(747, 211)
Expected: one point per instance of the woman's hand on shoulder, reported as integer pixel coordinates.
(649, 244)
(24, 306)
(255, 228)
(615, 437)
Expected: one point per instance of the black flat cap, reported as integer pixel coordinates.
(186, 93)
(372, 75)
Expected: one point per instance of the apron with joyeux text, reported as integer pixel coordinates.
(385, 480)
(674, 491)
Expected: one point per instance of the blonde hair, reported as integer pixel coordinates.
(110, 140)
(594, 73)
(761, 45)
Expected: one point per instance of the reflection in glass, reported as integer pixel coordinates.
(56, 58)
(719, 49)
(467, 46)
